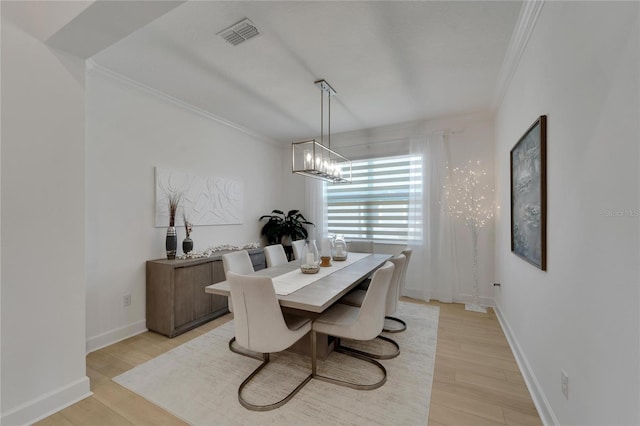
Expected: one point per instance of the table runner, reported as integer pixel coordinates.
(291, 281)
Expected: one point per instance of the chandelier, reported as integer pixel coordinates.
(313, 158)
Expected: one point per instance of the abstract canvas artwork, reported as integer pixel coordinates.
(205, 200)
(529, 195)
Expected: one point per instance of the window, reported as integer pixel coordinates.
(375, 206)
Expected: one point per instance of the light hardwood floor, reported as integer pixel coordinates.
(476, 379)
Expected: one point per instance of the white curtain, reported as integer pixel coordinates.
(432, 272)
(315, 207)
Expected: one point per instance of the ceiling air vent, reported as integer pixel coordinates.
(239, 32)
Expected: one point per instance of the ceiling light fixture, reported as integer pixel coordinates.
(239, 32)
(312, 158)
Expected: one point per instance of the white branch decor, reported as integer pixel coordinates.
(467, 200)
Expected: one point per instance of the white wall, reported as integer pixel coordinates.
(129, 131)
(472, 139)
(580, 68)
(43, 228)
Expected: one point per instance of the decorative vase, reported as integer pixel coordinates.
(171, 243)
(310, 258)
(187, 245)
(339, 250)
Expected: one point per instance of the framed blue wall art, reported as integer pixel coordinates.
(529, 195)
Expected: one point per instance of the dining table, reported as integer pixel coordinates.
(311, 294)
(314, 293)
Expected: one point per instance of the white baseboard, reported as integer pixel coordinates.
(463, 298)
(114, 336)
(482, 301)
(537, 394)
(47, 404)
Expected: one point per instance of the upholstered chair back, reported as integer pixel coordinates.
(370, 319)
(258, 320)
(392, 295)
(275, 255)
(297, 246)
(238, 262)
(407, 252)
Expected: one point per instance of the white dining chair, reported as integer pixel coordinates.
(350, 322)
(275, 255)
(403, 325)
(401, 285)
(260, 326)
(298, 245)
(240, 263)
(407, 252)
(356, 298)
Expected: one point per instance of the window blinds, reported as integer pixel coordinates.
(375, 206)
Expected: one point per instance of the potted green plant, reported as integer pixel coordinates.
(281, 226)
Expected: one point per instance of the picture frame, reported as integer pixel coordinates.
(528, 162)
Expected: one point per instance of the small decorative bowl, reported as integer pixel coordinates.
(309, 269)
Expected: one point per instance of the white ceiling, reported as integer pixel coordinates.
(389, 62)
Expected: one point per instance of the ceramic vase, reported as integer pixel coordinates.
(187, 245)
(171, 243)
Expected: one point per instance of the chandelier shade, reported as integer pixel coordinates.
(312, 158)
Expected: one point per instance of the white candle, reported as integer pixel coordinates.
(310, 259)
(308, 160)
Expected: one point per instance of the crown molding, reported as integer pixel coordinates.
(524, 28)
(91, 65)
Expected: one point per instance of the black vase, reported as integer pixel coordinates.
(171, 243)
(187, 245)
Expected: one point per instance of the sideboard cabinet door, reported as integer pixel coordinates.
(191, 302)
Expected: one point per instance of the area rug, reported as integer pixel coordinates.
(198, 381)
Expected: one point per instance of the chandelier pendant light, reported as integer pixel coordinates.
(312, 158)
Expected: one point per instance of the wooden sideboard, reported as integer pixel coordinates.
(176, 300)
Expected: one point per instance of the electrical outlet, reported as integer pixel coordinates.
(564, 383)
(126, 300)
